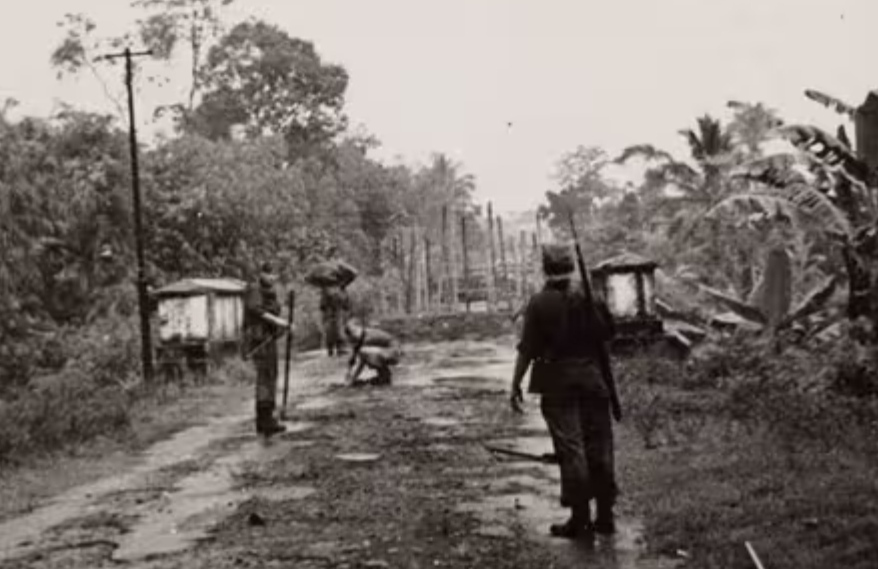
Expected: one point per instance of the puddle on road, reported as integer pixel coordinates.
(531, 422)
(284, 494)
(535, 512)
(470, 382)
(198, 502)
(358, 457)
(441, 421)
(313, 403)
(294, 427)
(537, 445)
(18, 536)
(528, 497)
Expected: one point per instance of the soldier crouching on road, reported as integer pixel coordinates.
(561, 339)
(373, 348)
(262, 327)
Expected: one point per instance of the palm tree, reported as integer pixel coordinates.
(680, 193)
(700, 186)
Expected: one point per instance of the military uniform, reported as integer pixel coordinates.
(334, 304)
(379, 351)
(261, 324)
(561, 339)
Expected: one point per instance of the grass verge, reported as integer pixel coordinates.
(757, 454)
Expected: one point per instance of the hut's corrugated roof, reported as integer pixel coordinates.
(186, 287)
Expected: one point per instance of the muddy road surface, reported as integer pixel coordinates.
(376, 477)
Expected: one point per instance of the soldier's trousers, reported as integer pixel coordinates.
(332, 325)
(266, 376)
(582, 434)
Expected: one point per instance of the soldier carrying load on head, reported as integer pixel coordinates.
(333, 277)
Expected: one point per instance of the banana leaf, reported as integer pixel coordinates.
(813, 302)
(742, 309)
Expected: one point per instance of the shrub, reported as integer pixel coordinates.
(57, 410)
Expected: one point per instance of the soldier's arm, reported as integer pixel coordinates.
(253, 306)
(276, 320)
(527, 348)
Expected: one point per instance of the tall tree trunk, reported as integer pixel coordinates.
(492, 286)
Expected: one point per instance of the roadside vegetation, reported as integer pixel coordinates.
(766, 433)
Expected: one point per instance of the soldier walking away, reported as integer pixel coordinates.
(562, 339)
(373, 348)
(334, 306)
(263, 326)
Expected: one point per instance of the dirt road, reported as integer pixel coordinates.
(365, 477)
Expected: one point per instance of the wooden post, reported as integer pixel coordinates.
(429, 275)
(399, 265)
(416, 261)
(492, 291)
(505, 269)
(450, 273)
(422, 270)
(412, 291)
(539, 234)
(466, 283)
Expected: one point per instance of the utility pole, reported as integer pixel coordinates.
(142, 300)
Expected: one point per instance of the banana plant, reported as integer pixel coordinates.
(842, 194)
(770, 304)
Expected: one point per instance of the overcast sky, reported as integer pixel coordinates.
(507, 86)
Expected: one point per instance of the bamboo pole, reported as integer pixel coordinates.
(412, 291)
(429, 273)
(399, 266)
(539, 234)
(505, 269)
(450, 273)
(416, 261)
(492, 290)
(466, 275)
(515, 282)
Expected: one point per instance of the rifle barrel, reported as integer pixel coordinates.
(603, 356)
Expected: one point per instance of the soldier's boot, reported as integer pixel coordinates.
(578, 525)
(266, 424)
(383, 376)
(605, 523)
(260, 418)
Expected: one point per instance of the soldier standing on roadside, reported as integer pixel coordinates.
(334, 306)
(262, 324)
(561, 339)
